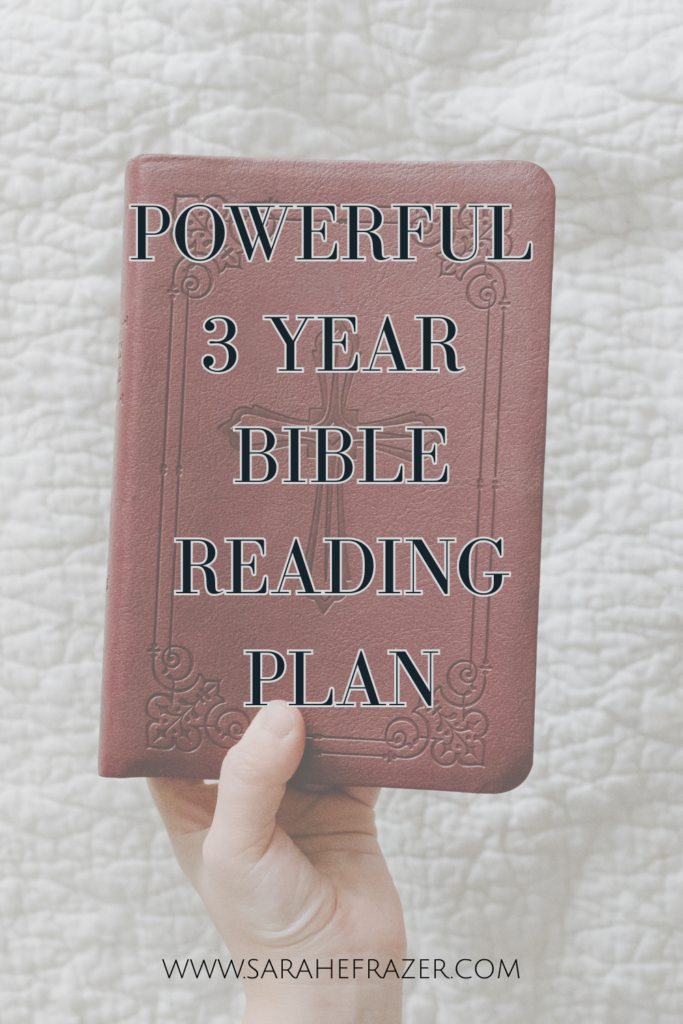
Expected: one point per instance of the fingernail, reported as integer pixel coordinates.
(277, 718)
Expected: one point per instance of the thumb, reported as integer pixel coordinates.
(252, 784)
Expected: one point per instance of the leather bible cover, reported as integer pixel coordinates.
(407, 595)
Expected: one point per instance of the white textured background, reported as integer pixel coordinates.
(578, 873)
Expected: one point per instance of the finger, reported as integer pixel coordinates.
(368, 795)
(252, 784)
(186, 807)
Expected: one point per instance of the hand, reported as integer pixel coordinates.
(290, 873)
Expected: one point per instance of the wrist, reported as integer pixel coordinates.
(335, 1002)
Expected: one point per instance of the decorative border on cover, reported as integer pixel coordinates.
(189, 708)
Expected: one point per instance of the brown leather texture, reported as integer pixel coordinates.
(176, 675)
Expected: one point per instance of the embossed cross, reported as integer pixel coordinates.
(328, 517)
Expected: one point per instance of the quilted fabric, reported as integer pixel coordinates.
(577, 874)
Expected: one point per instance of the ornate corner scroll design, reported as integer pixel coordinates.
(200, 232)
(190, 708)
(452, 729)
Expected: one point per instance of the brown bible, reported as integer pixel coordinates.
(329, 467)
